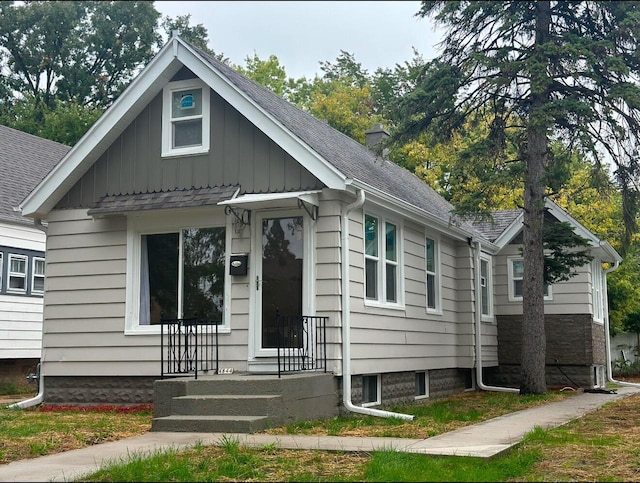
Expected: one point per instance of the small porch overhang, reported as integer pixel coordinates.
(162, 200)
(308, 200)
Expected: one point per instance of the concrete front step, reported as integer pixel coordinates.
(226, 405)
(210, 424)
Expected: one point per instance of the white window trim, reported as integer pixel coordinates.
(167, 149)
(597, 291)
(489, 283)
(11, 274)
(426, 385)
(33, 276)
(378, 400)
(138, 225)
(512, 296)
(1, 270)
(436, 253)
(380, 300)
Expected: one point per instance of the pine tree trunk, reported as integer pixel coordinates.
(533, 332)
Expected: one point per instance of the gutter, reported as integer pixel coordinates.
(478, 324)
(346, 323)
(607, 336)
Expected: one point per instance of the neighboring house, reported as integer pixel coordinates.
(200, 193)
(24, 160)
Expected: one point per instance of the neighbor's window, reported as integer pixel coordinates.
(370, 390)
(382, 260)
(433, 285)
(185, 117)
(37, 277)
(182, 275)
(516, 280)
(18, 273)
(486, 287)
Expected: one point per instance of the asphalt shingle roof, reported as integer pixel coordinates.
(162, 200)
(501, 221)
(25, 160)
(350, 157)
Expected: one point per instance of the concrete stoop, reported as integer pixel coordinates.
(242, 403)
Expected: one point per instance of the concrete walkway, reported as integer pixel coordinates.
(482, 440)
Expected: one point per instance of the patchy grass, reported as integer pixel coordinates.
(28, 433)
(431, 418)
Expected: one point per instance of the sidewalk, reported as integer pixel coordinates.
(482, 440)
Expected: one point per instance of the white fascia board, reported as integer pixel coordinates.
(103, 132)
(264, 121)
(408, 210)
(509, 234)
(611, 252)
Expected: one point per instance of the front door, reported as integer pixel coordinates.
(280, 274)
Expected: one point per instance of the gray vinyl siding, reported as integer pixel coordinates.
(239, 154)
(409, 338)
(570, 297)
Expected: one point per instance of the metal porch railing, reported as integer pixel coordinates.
(301, 343)
(188, 346)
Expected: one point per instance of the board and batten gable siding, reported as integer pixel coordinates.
(20, 316)
(239, 154)
(409, 338)
(569, 297)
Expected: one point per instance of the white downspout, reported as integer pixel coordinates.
(38, 398)
(346, 323)
(478, 321)
(34, 401)
(607, 336)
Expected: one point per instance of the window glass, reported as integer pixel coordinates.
(371, 273)
(484, 286)
(187, 133)
(38, 275)
(517, 275)
(369, 389)
(18, 273)
(432, 276)
(371, 235)
(161, 296)
(186, 103)
(391, 295)
(421, 384)
(390, 246)
(194, 257)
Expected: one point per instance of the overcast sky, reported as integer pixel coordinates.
(303, 33)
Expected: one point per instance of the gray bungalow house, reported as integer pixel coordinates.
(199, 195)
(24, 160)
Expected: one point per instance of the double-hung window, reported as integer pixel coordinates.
(516, 280)
(37, 276)
(486, 288)
(432, 274)
(185, 118)
(382, 260)
(598, 291)
(18, 273)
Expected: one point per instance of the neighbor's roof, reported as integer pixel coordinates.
(24, 160)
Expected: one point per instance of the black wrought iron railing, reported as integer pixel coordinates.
(301, 343)
(188, 346)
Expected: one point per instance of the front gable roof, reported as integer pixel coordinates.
(507, 224)
(24, 160)
(335, 159)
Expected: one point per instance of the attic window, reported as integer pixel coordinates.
(185, 118)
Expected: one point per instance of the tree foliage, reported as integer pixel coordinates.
(544, 72)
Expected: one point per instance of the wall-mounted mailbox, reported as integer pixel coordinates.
(238, 264)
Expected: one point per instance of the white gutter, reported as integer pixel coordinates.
(346, 323)
(478, 322)
(34, 401)
(607, 336)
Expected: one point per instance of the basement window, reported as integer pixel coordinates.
(185, 118)
(422, 385)
(371, 390)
